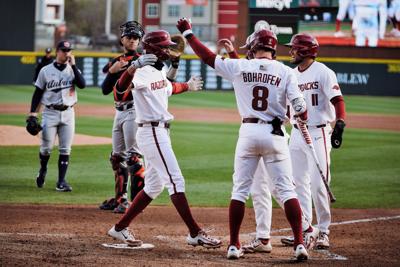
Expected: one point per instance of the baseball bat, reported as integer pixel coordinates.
(307, 139)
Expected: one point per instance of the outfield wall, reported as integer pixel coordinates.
(355, 75)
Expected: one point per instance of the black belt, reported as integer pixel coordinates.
(255, 120)
(318, 126)
(124, 107)
(154, 124)
(59, 107)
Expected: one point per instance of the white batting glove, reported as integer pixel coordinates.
(195, 83)
(144, 60)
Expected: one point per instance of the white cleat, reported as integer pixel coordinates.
(301, 253)
(234, 253)
(322, 241)
(257, 246)
(339, 34)
(202, 239)
(126, 236)
(310, 237)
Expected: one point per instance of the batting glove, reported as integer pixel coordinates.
(336, 137)
(143, 60)
(195, 83)
(184, 25)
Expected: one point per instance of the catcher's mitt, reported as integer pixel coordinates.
(177, 50)
(32, 125)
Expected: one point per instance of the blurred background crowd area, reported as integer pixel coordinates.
(94, 24)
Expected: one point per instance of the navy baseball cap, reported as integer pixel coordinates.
(64, 45)
(48, 50)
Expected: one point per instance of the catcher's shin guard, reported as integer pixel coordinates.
(121, 176)
(136, 171)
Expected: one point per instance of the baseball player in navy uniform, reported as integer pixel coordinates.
(261, 87)
(43, 61)
(125, 156)
(55, 90)
(325, 105)
(151, 90)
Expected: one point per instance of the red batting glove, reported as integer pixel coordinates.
(184, 26)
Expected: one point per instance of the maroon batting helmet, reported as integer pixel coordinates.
(264, 39)
(154, 42)
(305, 44)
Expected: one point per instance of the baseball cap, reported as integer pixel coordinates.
(48, 50)
(131, 28)
(64, 45)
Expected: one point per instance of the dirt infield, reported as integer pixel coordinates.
(39, 235)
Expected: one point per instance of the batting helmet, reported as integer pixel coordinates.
(264, 39)
(305, 44)
(131, 28)
(154, 42)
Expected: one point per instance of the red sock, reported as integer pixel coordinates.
(293, 215)
(398, 25)
(338, 22)
(236, 214)
(182, 206)
(141, 201)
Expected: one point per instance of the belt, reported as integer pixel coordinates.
(255, 120)
(154, 124)
(124, 107)
(59, 107)
(318, 126)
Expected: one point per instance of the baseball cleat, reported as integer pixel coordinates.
(40, 178)
(122, 207)
(125, 236)
(301, 253)
(234, 253)
(202, 239)
(310, 237)
(287, 241)
(257, 246)
(63, 187)
(108, 204)
(322, 241)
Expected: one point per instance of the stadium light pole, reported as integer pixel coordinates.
(108, 18)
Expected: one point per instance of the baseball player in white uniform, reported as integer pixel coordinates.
(366, 19)
(55, 90)
(261, 87)
(325, 105)
(151, 90)
(262, 187)
(345, 6)
(394, 16)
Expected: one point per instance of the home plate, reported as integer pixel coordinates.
(125, 246)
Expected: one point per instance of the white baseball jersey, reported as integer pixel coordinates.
(57, 85)
(151, 90)
(319, 85)
(261, 86)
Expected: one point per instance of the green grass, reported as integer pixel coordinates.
(203, 99)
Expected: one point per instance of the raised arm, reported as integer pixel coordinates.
(206, 55)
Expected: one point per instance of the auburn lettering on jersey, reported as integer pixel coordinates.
(256, 77)
(159, 85)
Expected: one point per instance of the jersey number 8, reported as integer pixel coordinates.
(260, 98)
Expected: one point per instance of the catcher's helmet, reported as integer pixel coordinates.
(264, 39)
(305, 44)
(154, 42)
(131, 28)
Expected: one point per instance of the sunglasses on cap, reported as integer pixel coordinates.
(65, 50)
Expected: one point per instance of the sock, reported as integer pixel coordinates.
(141, 201)
(236, 214)
(63, 162)
(293, 215)
(338, 22)
(182, 206)
(44, 159)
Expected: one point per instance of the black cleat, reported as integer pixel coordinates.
(63, 187)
